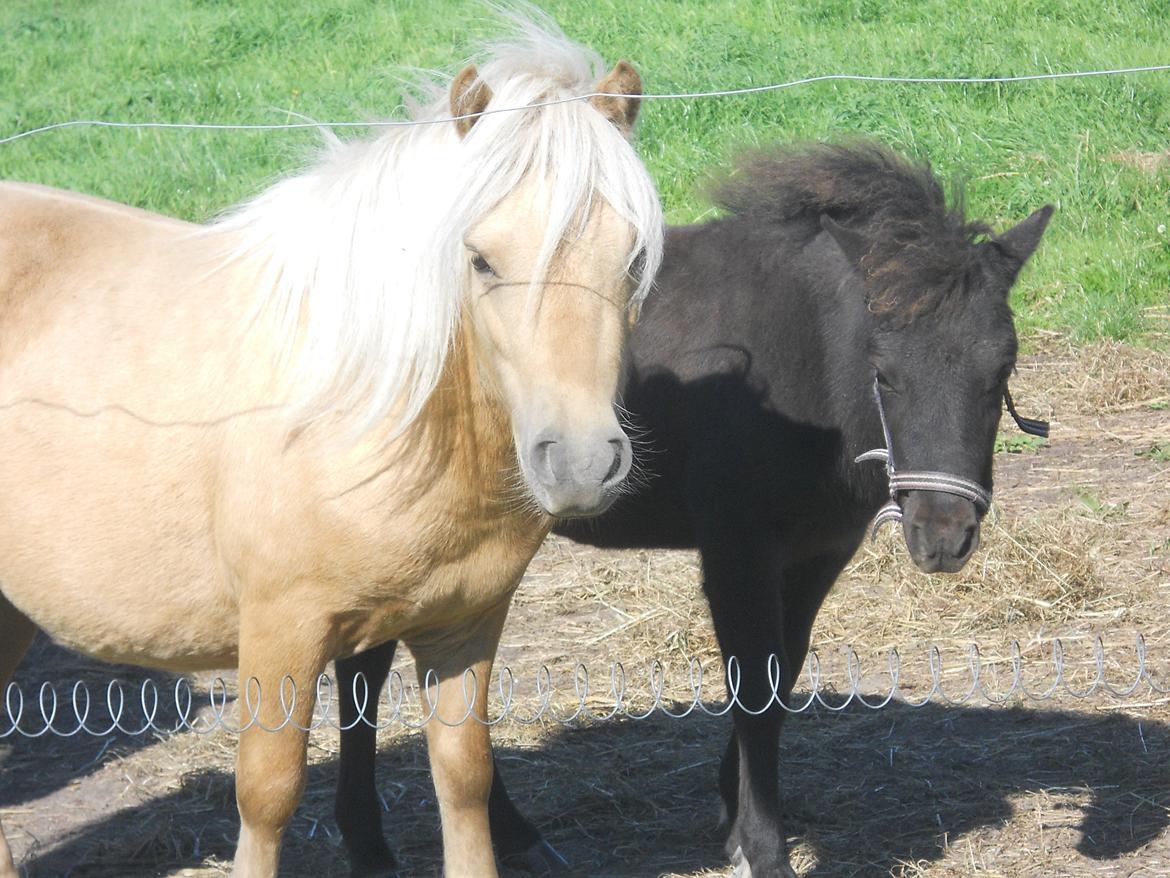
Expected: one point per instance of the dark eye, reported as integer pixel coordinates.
(637, 267)
(1002, 379)
(884, 383)
(481, 265)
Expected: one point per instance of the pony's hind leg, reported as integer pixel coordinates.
(518, 843)
(278, 647)
(359, 815)
(16, 633)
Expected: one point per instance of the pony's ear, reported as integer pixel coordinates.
(469, 95)
(1020, 241)
(852, 244)
(621, 96)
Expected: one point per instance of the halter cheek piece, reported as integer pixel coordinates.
(928, 480)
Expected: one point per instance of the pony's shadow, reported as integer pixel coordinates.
(36, 767)
(865, 792)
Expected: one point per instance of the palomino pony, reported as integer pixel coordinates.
(345, 414)
(841, 308)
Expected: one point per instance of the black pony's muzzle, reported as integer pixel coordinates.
(941, 530)
(940, 511)
(940, 514)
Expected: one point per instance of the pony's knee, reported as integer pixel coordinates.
(270, 780)
(266, 803)
(465, 780)
(269, 806)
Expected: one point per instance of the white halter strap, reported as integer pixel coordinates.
(914, 480)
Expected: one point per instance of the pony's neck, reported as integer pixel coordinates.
(465, 427)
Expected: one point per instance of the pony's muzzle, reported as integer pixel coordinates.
(574, 476)
(941, 530)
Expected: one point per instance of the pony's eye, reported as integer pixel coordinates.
(637, 266)
(1002, 379)
(481, 265)
(884, 383)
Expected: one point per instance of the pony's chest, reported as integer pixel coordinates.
(437, 575)
(423, 539)
(392, 557)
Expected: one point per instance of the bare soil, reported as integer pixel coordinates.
(1078, 547)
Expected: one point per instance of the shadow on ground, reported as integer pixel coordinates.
(866, 791)
(64, 760)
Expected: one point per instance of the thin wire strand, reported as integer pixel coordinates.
(732, 92)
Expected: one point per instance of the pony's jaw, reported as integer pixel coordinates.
(941, 530)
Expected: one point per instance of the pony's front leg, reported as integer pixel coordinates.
(458, 741)
(277, 649)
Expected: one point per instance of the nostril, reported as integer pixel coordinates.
(966, 545)
(917, 538)
(542, 458)
(615, 466)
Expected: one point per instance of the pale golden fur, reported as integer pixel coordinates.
(156, 509)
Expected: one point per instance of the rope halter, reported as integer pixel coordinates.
(930, 480)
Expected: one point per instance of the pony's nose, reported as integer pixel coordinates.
(575, 476)
(941, 530)
(603, 463)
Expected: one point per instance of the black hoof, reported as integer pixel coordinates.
(540, 859)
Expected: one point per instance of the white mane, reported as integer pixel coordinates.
(364, 251)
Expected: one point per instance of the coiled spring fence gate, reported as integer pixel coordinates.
(576, 695)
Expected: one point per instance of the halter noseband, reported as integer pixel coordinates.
(929, 480)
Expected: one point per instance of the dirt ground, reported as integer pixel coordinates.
(1078, 547)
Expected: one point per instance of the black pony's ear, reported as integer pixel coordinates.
(852, 244)
(1020, 241)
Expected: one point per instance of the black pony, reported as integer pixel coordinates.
(841, 307)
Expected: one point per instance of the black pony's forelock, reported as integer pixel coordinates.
(921, 247)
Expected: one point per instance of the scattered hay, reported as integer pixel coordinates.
(1099, 378)
(1046, 567)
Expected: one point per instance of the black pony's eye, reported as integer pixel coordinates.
(1002, 379)
(883, 383)
(481, 265)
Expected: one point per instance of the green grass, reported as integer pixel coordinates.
(1159, 451)
(1090, 500)
(1102, 271)
(1016, 443)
